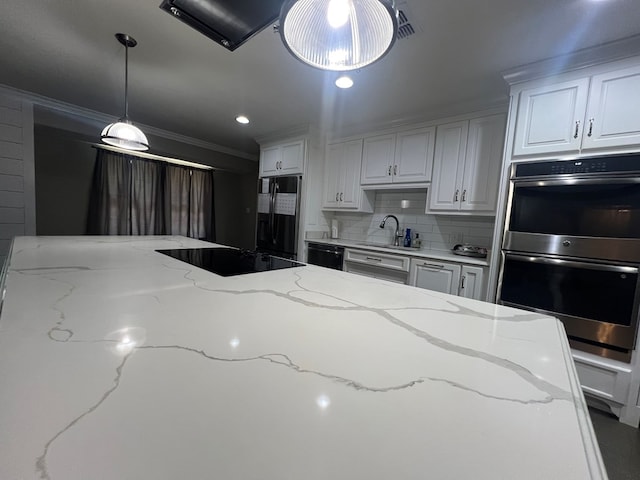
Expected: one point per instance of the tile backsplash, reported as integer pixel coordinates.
(438, 232)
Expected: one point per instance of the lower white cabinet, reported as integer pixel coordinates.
(393, 268)
(455, 279)
(471, 282)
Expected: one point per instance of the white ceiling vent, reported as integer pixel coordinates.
(406, 24)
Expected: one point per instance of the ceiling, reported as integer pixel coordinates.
(180, 81)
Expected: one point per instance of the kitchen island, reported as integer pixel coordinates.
(118, 362)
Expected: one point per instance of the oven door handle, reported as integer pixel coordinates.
(572, 263)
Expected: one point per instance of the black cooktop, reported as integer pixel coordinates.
(230, 261)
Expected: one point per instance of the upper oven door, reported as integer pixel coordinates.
(577, 217)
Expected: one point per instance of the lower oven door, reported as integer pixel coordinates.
(598, 303)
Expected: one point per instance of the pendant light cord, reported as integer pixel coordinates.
(126, 81)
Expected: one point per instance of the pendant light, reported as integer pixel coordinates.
(339, 35)
(123, 133)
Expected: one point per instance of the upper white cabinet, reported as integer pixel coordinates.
(572, 116)
(466, 167)
(404, 157)
(342, 178)
(550, 118)
(283, 159)
(612, 118)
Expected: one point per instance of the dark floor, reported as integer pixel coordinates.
(619, 444)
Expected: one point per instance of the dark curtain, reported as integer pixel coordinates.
(136, 196)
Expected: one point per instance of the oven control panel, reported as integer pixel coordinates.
(612, 164)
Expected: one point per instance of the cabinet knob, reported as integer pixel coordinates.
(575, 135)
(590, 127)
(389, 173)
(337, 197)
(395, 169)
(462, 282)
(341, 196)
(455, 197)
(464, 195)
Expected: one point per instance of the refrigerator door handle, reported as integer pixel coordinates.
(274, 235)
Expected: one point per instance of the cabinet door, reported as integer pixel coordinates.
(269, 161)
(613, 118)
(350, 193)
(451, 146)
(482, 163)
(414, 155)
(377, 159)
(550, 118)
(436, 276)
(292, 161)
(471, 282)
(332, 166)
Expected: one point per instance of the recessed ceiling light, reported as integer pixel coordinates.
(242, 119)
(344, 82)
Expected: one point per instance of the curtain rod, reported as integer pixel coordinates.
(151, 156)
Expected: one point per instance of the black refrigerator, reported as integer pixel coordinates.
(278, 214)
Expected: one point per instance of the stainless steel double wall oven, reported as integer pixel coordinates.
(571, 248)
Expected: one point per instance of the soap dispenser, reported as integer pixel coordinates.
(407, 237)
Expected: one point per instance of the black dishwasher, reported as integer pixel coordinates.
(330, 256)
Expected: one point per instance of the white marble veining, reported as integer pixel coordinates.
(118, 362)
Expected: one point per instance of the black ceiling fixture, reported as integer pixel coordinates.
(227, 22)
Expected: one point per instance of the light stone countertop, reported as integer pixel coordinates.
(117, 362)
(407, 252)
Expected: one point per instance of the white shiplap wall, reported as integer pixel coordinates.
(17, 178)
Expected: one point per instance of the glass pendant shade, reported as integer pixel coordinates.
(124, 134)
(339, 35)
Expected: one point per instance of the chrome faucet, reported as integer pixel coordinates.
(397, 234)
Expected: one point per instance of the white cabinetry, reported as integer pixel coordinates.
(455, 279)
(342, 178)
(433, 275)
(405, 157)
(577, 115)
(471, 282)
(393, 268)
(466, 166)
(283, 159)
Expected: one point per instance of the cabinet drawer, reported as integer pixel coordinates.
(382, 260)
(601, 380)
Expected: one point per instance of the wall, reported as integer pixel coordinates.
(17, 203)
(64, 171)
(438, 232)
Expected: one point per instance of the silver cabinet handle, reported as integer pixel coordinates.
(590, 127)
(575, 135)
(464, 195)
(373, 259)
(455, 198)
(462, 282)
(433, 265)
(395, 169)
(341, 196)
(389, 173)
(337, 197)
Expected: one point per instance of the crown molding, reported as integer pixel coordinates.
(104, 119)
(587, 57)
